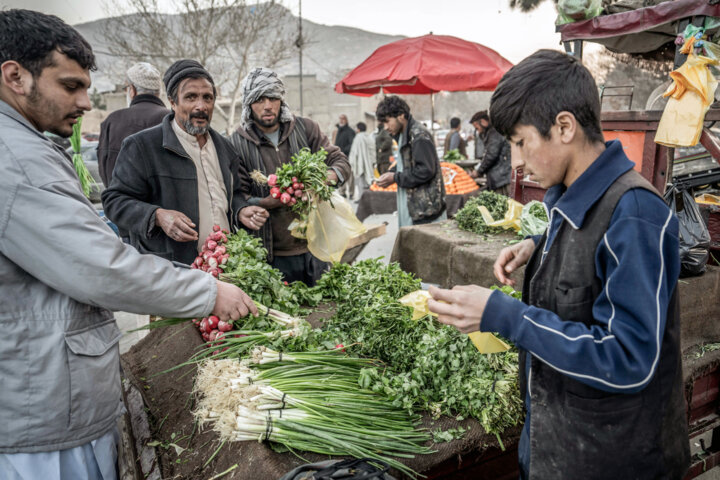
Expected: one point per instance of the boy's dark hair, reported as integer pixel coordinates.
(391, 106)
(454, 122)
(361, 126)
(481, 115)
(30, 38)
(544, 84)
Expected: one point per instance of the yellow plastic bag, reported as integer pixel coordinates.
(512, 216)
(485, 342)
(330, 227)
(691, 93)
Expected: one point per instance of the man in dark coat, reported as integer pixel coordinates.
(495, 162)
(145, 110)
(343, 137)
(173, 182)
(268, 137)
(383, 147)
(453, 140)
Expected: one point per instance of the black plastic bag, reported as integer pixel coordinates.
(358, 469)
(694, 235)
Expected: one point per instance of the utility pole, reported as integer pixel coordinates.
(299, 44)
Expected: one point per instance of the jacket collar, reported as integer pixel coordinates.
(574, 203)
(406, 131)
(146, 98)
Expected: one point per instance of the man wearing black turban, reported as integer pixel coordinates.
(174, 182)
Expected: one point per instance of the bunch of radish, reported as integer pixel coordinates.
(212, 328)
(288, 194)
(213, 256)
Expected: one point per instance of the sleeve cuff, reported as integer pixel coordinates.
(341, 179)
(501, 315)
(151, 223)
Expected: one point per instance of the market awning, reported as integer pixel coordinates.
(637, 31)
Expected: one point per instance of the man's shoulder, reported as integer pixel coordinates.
(152, 136)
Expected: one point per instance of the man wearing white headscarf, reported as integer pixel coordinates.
(268, 137)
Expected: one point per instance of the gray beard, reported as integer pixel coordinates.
(193, 130)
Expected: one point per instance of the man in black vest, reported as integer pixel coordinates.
(269, 136)
(598, 327)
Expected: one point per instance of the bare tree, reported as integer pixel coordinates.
(227, 36)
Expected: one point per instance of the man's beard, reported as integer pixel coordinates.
(263, 123)
(46, 109)
(193, 129)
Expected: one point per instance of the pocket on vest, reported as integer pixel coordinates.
(94, 364)
(575, 304)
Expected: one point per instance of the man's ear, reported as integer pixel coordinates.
(15, 77)
(567, 126)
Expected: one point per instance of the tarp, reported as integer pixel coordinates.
(637, 31)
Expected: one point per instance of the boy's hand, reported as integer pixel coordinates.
(511, 258)
(462, 307)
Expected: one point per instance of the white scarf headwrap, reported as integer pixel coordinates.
(263, 82)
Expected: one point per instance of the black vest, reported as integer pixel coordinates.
(580, 432)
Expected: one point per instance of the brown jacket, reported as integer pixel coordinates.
(248, 141)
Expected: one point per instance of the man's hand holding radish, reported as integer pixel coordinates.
(232, 302)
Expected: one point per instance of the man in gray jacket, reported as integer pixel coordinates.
(62, 270)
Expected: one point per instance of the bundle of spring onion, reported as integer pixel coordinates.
(307, 401)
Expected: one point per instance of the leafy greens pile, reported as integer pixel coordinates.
(469, 217)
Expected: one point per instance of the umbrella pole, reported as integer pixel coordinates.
(432, 112)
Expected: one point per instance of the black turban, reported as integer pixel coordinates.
(180, 70)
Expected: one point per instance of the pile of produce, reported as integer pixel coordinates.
(430, 366)
(469, 217)
(457, 181)
(454, 155)
(306, 401)
(377, 188)
(214, 256)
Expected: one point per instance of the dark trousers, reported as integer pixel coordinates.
(304, 268)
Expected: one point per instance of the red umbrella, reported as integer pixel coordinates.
(427, 64)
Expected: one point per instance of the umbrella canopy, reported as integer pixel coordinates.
(426, 65)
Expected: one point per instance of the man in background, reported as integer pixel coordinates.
(175, 181)
(343, 137)
(495, 162)
(362, 158)
(384, 147)
(145, 110)
(453, 140)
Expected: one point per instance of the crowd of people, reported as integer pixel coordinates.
(597, 327)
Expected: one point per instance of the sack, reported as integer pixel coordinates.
(330, 227)
(359, 469)
(694, 235)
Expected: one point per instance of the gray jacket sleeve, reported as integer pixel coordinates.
(52, 232)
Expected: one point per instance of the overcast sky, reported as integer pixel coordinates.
(490, 22)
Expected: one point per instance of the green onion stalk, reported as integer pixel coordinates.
(308, 405)
(86, 180)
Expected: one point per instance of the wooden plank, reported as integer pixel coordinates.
(373, 231)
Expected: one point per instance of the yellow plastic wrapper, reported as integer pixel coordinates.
(485, 342)
(330, 228)
(512, 216)
(691, 93)
(707, 199)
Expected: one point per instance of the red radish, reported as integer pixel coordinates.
(225, 348)
(212, 334)
(296, 186)
(216, 228)
(205, 336)
(290, 190)
(212, 262)
(224, 259)
(294, 179)
(204, 325)
(211, 245)
(298, 193)
(215, 272)
(224, 326)
(216, 352)
(275, 192)
(198, 260)
(272, 179)
(225, 231)
(216, 236)
(284, 198)
(224, 238)
(340, 347)
(219, 336)
(304, 198)
(302, 186)
(221, 249)
(193, 266)
(213, 321)
(293, 201)
(196, 321)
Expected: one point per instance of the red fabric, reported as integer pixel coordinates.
(636, 21)
(427, 64)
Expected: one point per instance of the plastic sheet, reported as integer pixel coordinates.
(694, 235)
(330, 227)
